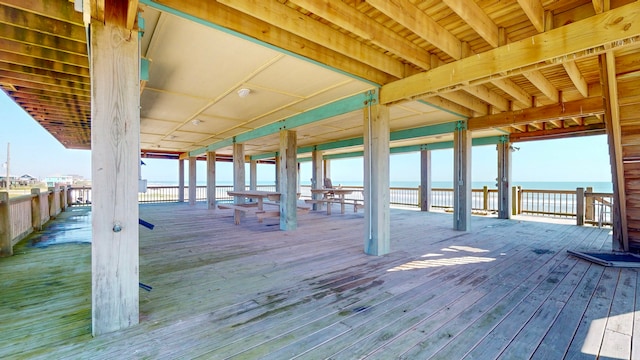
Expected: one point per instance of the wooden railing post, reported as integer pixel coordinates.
(514, 203)
(6, 248)
(52, 201)
(63, 197)
(485, 198)
(36, 216)
(590, 203)
(580, 206)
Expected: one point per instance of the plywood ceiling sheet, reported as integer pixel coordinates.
(169, 106)
(153, 126)
(297, 77)
(190, 58)
(258, 102)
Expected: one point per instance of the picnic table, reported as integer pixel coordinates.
(340, 193)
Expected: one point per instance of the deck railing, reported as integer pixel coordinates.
(21, 215)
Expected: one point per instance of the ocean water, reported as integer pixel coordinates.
(598, 186)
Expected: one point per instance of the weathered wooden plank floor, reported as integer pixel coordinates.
(505, 290)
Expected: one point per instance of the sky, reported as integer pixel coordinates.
(35, 152)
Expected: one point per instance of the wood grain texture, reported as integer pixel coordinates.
(505, 289)
(115, 138)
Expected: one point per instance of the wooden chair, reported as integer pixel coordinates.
(328, 185)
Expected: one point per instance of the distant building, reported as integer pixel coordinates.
(61, 180)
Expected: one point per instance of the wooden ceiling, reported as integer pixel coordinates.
(528, 69)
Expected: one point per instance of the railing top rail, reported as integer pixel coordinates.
(548, 191)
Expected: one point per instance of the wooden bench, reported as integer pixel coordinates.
(356, 203)
(261, 215)
(238, 210)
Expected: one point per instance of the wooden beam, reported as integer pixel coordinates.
(213, 13)
(114, 162)
(583, 107)
(552, 47)
(23, 60)
(543, 84)
(132, 14)
(521, 97)
(15, 47)
(352, 20)
(620, 236)
(414, 19)
(483, 93)
(466, 100)
(447, 105)
(26, 24)
(26, 70)
(593, 129)
(474, 16)
(600, 6)
(55, 9)
(286, 18)
(576, 77)
(535, 12)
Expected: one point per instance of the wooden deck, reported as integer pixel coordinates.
(506, 290)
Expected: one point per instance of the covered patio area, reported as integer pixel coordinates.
(504, 289)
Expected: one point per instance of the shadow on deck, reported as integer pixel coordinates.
(505, 289)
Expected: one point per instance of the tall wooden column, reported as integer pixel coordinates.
(181, 180)
(253, 175)
(115, 144)
(193, 186)
(317, 180)
(211, 180)
(425, 180)
(326, 169)
(462, 178)
(238, 170)
(277, 168)
(504, 179)
(288, 180)
(377, 237)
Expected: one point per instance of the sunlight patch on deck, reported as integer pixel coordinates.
(617, 331)
(424, 264)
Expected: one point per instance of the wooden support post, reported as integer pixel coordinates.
(36, 216)
(6, 248)
(514, 203)
(326, 169)
(253, 175)
(589, 206)
(504, 180)
(580, 206)
(620, 237)
(485, 198)
(288, 180)
(211, 179)
(238, 170)
(115, 144)
(51, 195)
(317, 179)
(462, 178)
(193, 186)
(425, 180)
(277, 168)
(377, 239)
(181, 180)
(63, 197)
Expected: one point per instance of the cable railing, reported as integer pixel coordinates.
(588, 208)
